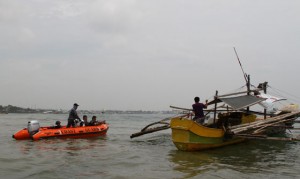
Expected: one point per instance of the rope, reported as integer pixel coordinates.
(294, 96)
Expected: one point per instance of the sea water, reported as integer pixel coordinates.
(149, 156)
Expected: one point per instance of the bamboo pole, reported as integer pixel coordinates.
(269, 125)
(147, 130)
(258, 124)
(215, 111)
(248, 89)
(264, 121)
(243, 92)
(208, 110)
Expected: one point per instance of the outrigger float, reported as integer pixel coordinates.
(230, 120)
(35, 132)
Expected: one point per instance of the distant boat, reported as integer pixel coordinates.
(48, 112)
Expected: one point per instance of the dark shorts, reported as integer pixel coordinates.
(199, 120)
(71, 122)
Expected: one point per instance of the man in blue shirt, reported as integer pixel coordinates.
(198, 110)
(73, 115)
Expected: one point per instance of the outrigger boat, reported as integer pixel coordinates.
(35, 132)
(230, 123)
(233, 125)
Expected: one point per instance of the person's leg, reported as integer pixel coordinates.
(202, 120)
(69, 123)
(73, 123)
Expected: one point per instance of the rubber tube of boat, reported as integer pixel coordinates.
(33, 127)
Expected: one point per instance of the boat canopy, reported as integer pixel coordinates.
(239, 102)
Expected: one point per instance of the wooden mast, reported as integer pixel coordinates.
(215, 111)
(248, 89)
(265, 91)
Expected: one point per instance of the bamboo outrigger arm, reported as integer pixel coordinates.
(147, 130)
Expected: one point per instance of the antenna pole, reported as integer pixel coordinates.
(244, 74)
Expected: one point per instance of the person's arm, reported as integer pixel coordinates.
(193, 112)
(205, 105)
(76, 115)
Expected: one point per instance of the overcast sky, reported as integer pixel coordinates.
(143, 54)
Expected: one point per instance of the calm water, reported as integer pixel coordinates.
(149, 156)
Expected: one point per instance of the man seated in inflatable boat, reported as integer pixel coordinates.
(94, 122)
(57, 125)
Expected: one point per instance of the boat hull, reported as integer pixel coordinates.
(63, 132)
(188, 135)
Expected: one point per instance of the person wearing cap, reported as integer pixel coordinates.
(72, 116)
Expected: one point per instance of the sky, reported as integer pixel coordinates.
(143, 54)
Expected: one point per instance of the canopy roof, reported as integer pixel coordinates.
(239, 102)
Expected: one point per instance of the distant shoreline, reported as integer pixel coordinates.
(15, 109)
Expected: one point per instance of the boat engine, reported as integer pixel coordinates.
(33, 127)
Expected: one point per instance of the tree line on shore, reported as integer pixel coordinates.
(15, 109)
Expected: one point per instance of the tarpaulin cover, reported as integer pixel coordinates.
(240, 102)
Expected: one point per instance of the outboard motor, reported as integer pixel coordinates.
(33, 127)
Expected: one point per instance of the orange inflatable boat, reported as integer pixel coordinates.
(35, 132)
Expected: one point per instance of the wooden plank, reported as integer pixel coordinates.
(259, 124)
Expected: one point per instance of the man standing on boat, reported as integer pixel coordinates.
(198, 110)
(73, 115)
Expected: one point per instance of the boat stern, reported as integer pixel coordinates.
(21, 135)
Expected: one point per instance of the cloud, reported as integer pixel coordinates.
(151, 53)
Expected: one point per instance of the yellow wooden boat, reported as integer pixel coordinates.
(232, 122)
(188, 135)
(231, 112)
